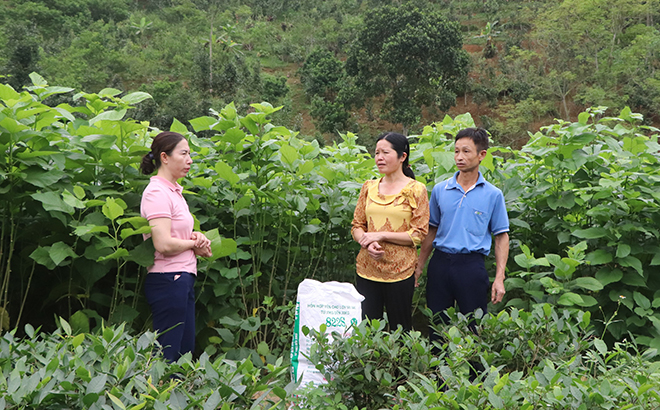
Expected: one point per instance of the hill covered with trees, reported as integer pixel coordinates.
(525, 62)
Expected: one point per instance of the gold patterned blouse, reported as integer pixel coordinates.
(407, 211)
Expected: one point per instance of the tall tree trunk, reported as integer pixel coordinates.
(211, 60)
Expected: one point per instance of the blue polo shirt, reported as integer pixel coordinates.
(466, 221)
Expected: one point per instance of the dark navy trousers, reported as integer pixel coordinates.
(395, 297)
(459, 279)
(171, 296)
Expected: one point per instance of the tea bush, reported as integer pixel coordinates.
(540, 359)
(113, 370)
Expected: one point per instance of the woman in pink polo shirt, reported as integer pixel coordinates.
(169, 284)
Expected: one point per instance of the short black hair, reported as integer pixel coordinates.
(478, 135)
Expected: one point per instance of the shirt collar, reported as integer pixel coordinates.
(173, 187)
(452, 184)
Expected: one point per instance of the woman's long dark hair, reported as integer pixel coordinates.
(400, 145)
(164, 142)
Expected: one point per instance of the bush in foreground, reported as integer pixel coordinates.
(538, 359)
(530, 360)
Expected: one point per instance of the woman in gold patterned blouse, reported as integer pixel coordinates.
(391, 219)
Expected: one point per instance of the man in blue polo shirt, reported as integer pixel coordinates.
(466, 212)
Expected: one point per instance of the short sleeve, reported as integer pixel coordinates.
(434, 207)
(360, 213)
(499, 221)
(155, 203)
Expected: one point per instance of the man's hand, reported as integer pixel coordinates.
(497, 292)
(418, 274)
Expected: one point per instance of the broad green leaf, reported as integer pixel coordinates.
(43, 178)
(600, 346)
(263, 349)
(583, 118)
(223, 125)
(225, 172)
(588, 283)
(203, 123)
(634, 279)
(143, 254)
(37, 79)
(251, 324)
(523, 261)
(87, 229)
(220, 246)
(242, 203)
(41, 255)
(22, 114)
(444, 159)
(305, 168)
(52, 201)
(641, 300)
(177, 126)
(495, 400)
(606, 276)
(11, 125)
(487, 162)
(570, 299)
(656, 260)
(25, 155)
(80, 325)
(233, 135)
(135, 221)
(8, 93)
(112, 210)
(60, 251)
(128, 232)
(251, 125)
(109, 92)
(72, 200)
(622, 250)
(119, 253)
(632, 262)
(136, 97)
(428, 158)
(203, 182)
(289, 154)
(265, 108)
(229, 111)
(591, 233)
(599, 257)
(124, 314)
(54, 90)
(100, 141)
(65, 113)
(114, 115)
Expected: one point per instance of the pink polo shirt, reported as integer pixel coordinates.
(162, 199)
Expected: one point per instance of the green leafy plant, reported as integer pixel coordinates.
(590, 187)
(368, 367)
(113, 369)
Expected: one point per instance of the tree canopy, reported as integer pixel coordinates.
(411, 56)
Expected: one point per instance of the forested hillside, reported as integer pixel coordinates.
(527, 61)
